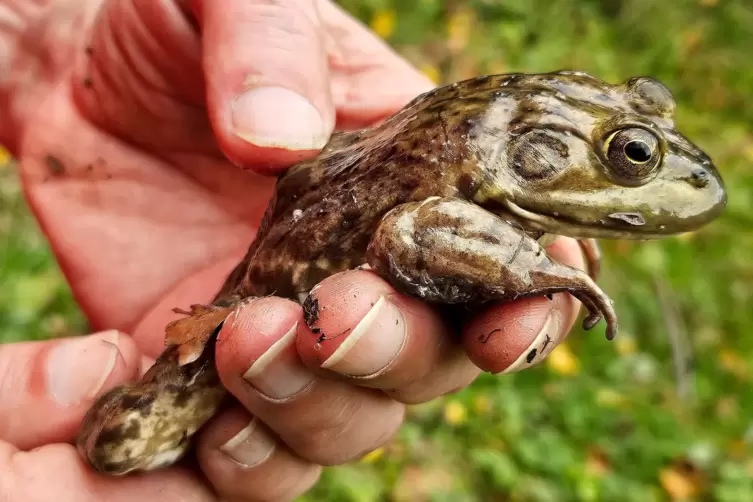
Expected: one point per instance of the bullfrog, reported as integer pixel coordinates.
(453, 200)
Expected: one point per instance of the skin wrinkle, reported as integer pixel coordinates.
(156, 50)
(129, 85)
(129, 47)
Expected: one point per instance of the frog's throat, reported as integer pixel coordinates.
(569, 228)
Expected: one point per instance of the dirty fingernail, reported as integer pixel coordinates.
(279, 373)
(278, 118)
(251, 446)
(542, 345)
(77, 368)
(373, 344)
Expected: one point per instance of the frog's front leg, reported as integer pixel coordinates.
(447, 250)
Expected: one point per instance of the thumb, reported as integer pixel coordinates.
(46, 387)
(268, 88)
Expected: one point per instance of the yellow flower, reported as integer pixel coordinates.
(4, 156)
(481, 404)
(373, 456)
(455, 413)
(563, 362)
(609, 398)
(625, 345)
(459, 28)
(383, 23)
(733, 363)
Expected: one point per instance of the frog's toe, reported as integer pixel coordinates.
(591, 321)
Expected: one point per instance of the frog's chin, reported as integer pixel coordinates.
(559, 225)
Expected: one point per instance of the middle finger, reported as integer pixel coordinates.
(323, 420)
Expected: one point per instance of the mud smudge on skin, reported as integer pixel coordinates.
(484, 338)
(311, 311)
(54, 165)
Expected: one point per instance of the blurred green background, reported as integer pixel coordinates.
(663, 412)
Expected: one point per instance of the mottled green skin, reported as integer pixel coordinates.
(450, 200)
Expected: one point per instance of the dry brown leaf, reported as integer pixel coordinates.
(192, 333)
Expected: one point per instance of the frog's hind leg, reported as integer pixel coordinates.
(149, 424)
(448, 251)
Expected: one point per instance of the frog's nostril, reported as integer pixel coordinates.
(699, 177)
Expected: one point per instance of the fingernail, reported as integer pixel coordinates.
(251, 446)
(374, 343)
(279, 373)
(279, 118)
(78, 368)
(542, 345)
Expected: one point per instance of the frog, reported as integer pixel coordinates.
(453, 200)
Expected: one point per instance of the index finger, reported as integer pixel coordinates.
(360, 328)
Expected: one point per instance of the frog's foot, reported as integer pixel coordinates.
(561, 278)
(452, 251)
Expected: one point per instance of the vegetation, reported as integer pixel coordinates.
(597, 421)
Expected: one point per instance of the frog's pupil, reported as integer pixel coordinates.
(638, 151)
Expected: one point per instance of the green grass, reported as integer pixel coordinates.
(602, 421)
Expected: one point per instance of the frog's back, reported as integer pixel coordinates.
(325, 209)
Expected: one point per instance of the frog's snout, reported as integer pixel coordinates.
(710, 196)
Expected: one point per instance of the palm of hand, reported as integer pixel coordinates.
(123, 163)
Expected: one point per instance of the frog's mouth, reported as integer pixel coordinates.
(616, 226)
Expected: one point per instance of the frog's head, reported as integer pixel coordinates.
(587, 159)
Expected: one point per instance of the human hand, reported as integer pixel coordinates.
(123, 151)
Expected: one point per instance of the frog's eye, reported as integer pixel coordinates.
(633, 153)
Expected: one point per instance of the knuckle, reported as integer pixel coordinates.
(348, 433)
(325, 441)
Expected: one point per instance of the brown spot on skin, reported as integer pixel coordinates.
(133, 431)
(88, 83)
(467, 185)
(182, 398)
(116, 434)
(110, 435)
(55, 165)
(488, 238)
(89, 51)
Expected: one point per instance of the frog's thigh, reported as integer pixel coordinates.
(452, 251)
